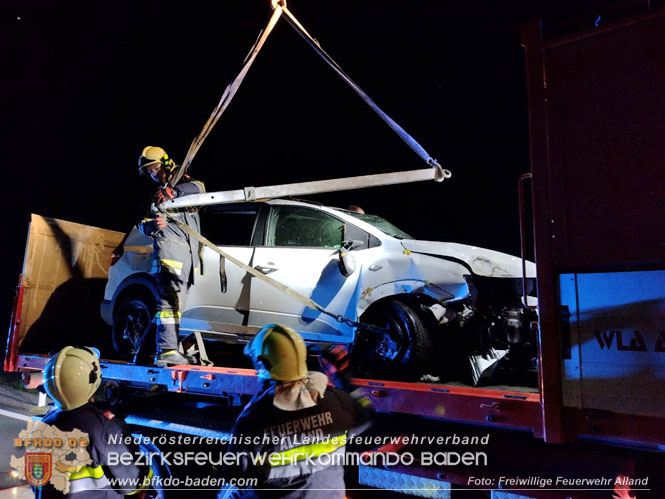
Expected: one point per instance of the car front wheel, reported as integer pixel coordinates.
(402, 351)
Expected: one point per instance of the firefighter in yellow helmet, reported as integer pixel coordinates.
(299, 421)
(71, 378)
(175, 254)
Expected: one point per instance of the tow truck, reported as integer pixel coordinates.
(596, 191)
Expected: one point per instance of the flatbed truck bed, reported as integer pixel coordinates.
(491, 407)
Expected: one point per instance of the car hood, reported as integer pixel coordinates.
(482, 261)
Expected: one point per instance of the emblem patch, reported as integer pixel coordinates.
(37, 468)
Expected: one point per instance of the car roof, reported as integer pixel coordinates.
(346, 215)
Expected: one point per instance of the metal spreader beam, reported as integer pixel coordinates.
(304, 188)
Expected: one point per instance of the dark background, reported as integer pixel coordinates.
(84, 86)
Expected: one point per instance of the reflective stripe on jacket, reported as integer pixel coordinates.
(296, 453)
(106, 434)
(172, 246)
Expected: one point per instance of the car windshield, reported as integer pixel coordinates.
(381, 223)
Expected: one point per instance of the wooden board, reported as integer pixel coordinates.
(64, 275)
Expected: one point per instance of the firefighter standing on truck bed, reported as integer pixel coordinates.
(175, 255)
(71, 378)
(299, 422)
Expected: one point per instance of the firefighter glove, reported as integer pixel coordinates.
(166, 193)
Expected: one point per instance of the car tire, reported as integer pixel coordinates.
(403, 353)
(132, 324)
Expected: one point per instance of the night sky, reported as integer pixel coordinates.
(86, 85)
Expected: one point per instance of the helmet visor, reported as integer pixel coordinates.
(253, 351)
(150, 168)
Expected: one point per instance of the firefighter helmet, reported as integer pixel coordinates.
(72, 377)
(278, 352)
(152, 155)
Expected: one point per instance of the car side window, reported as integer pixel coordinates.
(300, 226)
(228, 227)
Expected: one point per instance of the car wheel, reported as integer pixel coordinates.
(402, 352)
(132, 321)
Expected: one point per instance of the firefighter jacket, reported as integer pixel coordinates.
(295, 453)
(173, 248)
(107, 434)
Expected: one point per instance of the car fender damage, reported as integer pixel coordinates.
(480, 261)
(470, 300)
(371, 295)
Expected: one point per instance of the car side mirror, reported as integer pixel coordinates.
(347, 263)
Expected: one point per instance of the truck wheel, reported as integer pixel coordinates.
(132, 320)
(402, 352)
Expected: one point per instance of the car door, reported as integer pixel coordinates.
(301, 250)
(209, 307)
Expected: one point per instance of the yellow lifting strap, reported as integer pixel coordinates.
(227, 96)
(272, 282)
(268, 280)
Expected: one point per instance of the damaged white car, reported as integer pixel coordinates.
(440, 305)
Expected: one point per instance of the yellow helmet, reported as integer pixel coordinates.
(151, 155)
(278, 352)
(72, 377)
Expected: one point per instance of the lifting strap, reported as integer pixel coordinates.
(308, 302)
(227, 96)
(194, 346)
(279, 7)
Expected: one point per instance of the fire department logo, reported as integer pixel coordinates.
(50, 455)
(37, 468)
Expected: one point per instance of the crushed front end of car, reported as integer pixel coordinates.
(486, 331)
